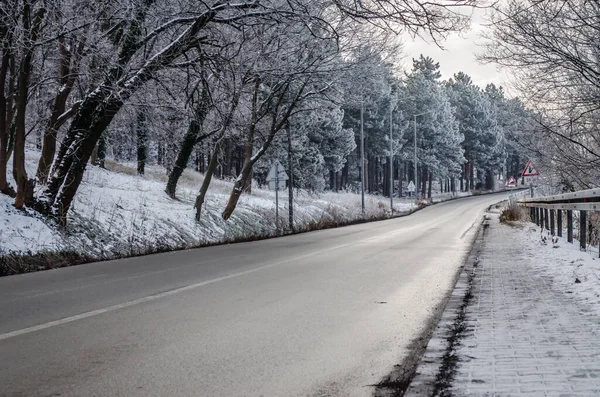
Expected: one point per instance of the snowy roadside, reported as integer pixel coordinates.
(570, 269)
(516, 303)
(117, 213)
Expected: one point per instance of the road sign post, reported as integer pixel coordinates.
(411, 187)
(277, 196)
(530, 171)
(276, 174)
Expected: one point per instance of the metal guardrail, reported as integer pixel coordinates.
(544, 211)
(515, 197)
(583, 200)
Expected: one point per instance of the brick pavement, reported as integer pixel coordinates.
(524, 336)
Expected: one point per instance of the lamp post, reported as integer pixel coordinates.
(392, 158)
(415, 129)
(362, 159)
(391, 166)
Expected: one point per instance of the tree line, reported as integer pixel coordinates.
(227, 87)
(551, 47)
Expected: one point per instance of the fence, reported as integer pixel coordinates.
(547, 212)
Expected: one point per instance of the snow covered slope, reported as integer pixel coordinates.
(117, 213)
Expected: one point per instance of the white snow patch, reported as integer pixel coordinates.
(571, 270)
(116, 212)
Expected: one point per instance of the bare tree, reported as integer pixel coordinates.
(552, 47)
(71, 53)
(7, 87)
(31, 23)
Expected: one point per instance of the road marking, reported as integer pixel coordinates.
(150, 298)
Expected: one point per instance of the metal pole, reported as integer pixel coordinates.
(559, 225)
(552, 222)
(416, 182)
(362, 160)
(583, 230)
(546, 218)
(570, 226)
(291, 180)
(277, 197)
(542, 218)
(531, 188)
(391, 166)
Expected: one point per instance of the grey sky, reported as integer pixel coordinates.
(458, 54)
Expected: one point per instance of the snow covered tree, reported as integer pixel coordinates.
(438, 136)
(483, 139)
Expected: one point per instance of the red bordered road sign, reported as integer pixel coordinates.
(511, 182)
(530, 170)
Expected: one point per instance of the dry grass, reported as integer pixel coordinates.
(118, 167)
(512, 214)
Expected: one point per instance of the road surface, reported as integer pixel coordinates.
(326, 313)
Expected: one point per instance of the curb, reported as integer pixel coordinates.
(426, 381)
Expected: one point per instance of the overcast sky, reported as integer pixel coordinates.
(458, 54)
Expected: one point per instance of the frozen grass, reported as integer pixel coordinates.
(571, 270)
(117, 212)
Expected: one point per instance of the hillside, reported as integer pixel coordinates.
(118, 213)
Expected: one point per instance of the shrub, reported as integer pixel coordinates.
(512, 213)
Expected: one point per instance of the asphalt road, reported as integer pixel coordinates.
(326, 313)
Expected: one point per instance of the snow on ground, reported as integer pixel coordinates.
(24, 231)
(571, 270)
(117, 212)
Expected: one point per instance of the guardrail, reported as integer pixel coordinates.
(518, 195)
(544, 211)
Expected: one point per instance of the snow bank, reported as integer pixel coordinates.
(116, 212)
(568, 268)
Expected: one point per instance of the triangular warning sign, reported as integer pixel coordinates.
(530, 170)
(511, 181)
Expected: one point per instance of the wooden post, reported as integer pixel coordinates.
(537, 216)
(541, 218)
(559, 226)
(570, 226)
(583, 230)
(546, 218)
(552, 222)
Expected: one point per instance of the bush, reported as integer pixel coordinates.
(512, 213)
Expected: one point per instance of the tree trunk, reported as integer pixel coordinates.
(489, 180)
(430, 183)
(24, 185)
(69, 66)
(471, 176)
(94, 115)
(142, 140)
(212, 165)
(240, 182)
(6, 76)
(344, 178)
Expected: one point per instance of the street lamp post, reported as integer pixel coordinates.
(362, 160)
(392, 159)
(415, 129)
(391, 166)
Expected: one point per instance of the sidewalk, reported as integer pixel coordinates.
(524, 331)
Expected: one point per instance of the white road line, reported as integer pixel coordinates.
(150, 298)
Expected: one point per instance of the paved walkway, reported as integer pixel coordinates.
(524, 336)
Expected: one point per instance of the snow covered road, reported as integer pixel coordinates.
(319, 314)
